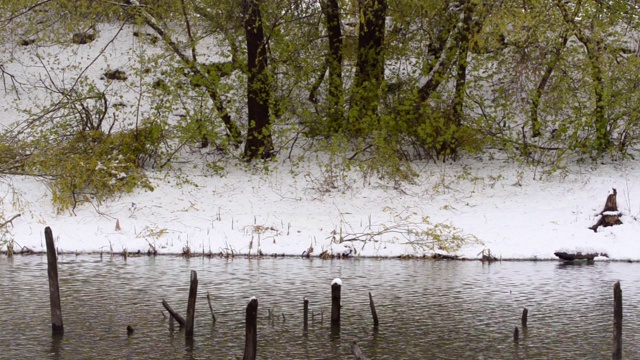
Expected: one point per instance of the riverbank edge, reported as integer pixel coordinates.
(245, 256)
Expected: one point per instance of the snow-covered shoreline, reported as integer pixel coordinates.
(239, 213)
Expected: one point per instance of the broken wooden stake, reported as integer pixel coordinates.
(191, 304)
(305, 309)
(336, 286)
(373, 311)
(617, 321)
(54, 288)
(174, 315)
(251, 331)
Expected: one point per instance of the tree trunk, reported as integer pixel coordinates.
(593, 45)
(331, 10)
(539, 91)
(471, 23)
(370, 59)
(603, 138)
(258, 143)
(463, 37)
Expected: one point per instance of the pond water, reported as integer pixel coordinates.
(427, 309)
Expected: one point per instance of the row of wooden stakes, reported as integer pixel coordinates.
(251, 319)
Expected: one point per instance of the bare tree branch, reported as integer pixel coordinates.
(232, 129)
(24, 11)
(10, 221)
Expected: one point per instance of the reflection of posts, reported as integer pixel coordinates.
(251, 339)
(56, 345)
(54, 288)
(609, 215)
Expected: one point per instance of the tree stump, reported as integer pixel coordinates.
(609, 215)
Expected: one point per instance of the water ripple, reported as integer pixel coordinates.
(427, 310)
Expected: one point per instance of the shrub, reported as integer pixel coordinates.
(93, 166)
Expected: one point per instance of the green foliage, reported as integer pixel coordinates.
(93, 166)
(440, 138)
(542, 81)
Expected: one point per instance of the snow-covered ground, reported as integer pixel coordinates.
(242, 211)
(511, 214)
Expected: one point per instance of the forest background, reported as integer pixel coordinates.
(370, 87)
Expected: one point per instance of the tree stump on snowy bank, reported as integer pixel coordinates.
(610, 215)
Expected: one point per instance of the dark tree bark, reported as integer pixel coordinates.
(463, 38)
(258, 143)
(603, 136)
(370, 61)
(331, 10)
(370, 58)
(542, 84)
(470, 24)
(251, 331)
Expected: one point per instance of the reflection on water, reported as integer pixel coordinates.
(427, 310)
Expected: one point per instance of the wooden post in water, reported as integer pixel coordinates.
(516, 334)
(191, 304)
(305, 307)
(336, 286)
(617, 321)
(54, 288)
(373, 311)
(174, 315)
(251, 339)
(525, 313)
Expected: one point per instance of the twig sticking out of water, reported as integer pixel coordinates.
(213, 316)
